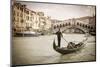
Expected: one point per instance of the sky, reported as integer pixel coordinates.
(61, 11)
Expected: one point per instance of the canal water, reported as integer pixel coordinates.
(39, 50)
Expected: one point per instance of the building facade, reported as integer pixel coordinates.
(24, 19)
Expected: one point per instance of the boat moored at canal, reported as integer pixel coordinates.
(27, 33)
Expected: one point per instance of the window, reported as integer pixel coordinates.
(13, 12)
(21, 8)
(27, 12)
(14, 20)
(30, 18)
(17, 19)
(21, 15)
(22, 20)
(27, 17)
(17, 13)
(17, 6)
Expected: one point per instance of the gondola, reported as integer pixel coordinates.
(66, 50)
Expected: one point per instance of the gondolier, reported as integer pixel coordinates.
(71, 47)
(59, 35)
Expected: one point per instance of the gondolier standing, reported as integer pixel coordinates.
(59, 35)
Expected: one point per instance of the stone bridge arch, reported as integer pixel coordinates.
(76, 29)
(78, 25)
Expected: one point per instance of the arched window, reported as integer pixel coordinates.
(80, 24)
(57, 26)
(88, 27)
(63, 25)
(91, 27)
(66, 24)
(83, 25)
(54, 27)
(60, 25)
(69, 24)
(77, 23)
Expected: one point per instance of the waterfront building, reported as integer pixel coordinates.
(24, 19)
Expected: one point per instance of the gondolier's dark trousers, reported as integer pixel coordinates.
(59, 40)
(59, 34)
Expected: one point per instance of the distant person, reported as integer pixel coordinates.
(59, 35)
(71, 45)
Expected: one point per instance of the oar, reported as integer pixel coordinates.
(65, 39)
(84, 40)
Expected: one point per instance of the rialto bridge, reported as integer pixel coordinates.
(74, 26)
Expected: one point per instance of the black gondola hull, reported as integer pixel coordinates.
(65, 50)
